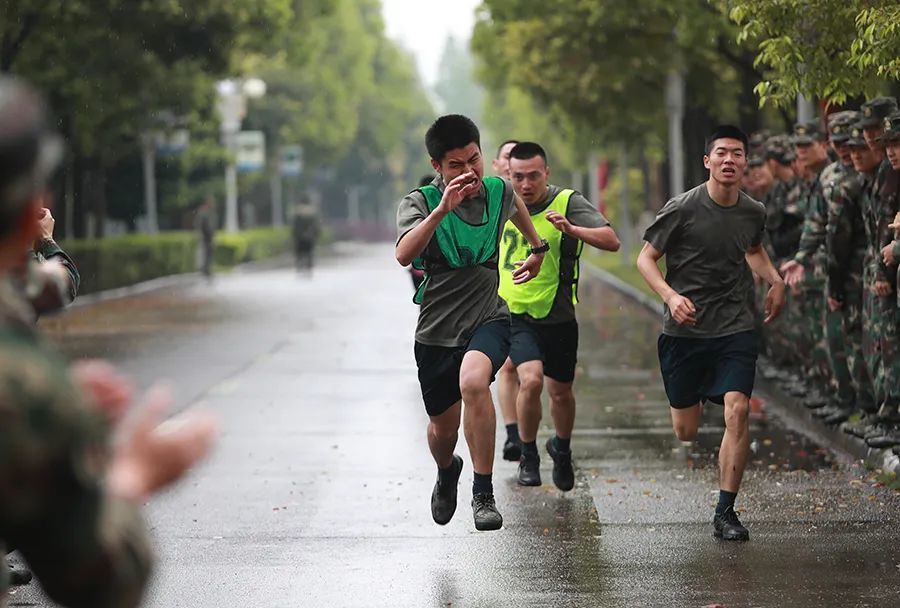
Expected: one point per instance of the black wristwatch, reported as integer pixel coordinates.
(543, 248)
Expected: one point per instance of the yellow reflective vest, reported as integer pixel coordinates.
(535, 298)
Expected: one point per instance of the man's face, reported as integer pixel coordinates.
(529, 178)
(892, 149)
(726, 161)
(761, 177)
(459, 161)
(500, 165)
(843, 151)
(871, 134)
(811, 154)
(865, 159)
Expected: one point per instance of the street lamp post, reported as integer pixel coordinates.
(233, 95)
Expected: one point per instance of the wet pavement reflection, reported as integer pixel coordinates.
(318, 493)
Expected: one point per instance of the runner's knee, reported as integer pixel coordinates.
(531, 381)
(473, 385)
(685, 432)
(737, 411)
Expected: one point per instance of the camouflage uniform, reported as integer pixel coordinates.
(883, 207)
(846, 251)
(50, 280)
(784, 223)
(87, 548)
(812, 300)
(824, 326)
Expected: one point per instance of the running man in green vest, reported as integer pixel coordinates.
(451, 228)
(544, 332)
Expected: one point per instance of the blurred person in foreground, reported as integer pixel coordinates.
(712, 238)
(69, 497)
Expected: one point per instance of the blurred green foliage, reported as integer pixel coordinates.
(120, 261)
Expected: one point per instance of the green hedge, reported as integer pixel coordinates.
(125, 260)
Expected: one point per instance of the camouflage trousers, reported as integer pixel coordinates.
(782, 334)
(890, 353)
(880, 348)
(814, 345)
(844, 333)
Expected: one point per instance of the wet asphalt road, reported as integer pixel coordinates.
(318, 492)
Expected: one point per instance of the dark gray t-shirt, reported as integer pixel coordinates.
(704, 244)
(458, 302)
(579, 213)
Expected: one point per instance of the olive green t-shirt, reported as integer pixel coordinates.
(580, 212)
(457, 302)
(704, 244)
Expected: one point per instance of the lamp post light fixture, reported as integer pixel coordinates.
(232, 106)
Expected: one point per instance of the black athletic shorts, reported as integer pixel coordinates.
(556, 345)
(439, 365)
(698, 369)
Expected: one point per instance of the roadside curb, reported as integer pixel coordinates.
(173, 280)
(798, 417)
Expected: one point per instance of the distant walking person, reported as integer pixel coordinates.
(206, 226)
(305, 230)
(712, 238)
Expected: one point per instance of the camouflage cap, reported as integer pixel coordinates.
(779, 149)
(755, 160)
(891, 129)
(840, 124)
(876, 110)
(29, 149)
(806, 133)
(857, 137)
(758, 140)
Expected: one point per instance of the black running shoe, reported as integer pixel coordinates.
(563, 474)
(512, 450)
(727, 526)
(443, 497)
(484, 509)
(530, 470)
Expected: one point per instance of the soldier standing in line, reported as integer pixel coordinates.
(70, 501)
(783, 228)
(826, 321)
(812, 153)
(878, 206)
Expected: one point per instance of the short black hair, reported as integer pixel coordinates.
(527, 149)
(426, 179)
(507, 142)
(727, 132)
(450, 132)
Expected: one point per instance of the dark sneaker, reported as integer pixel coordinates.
(727, 526)
(530, 470)
(825, 412)
(512, 450)
(443, 497)
(484, 509)
(796, 389)
(815, 400)
(19, 576)
(563, 474)
(889, 439)
(840, 415)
